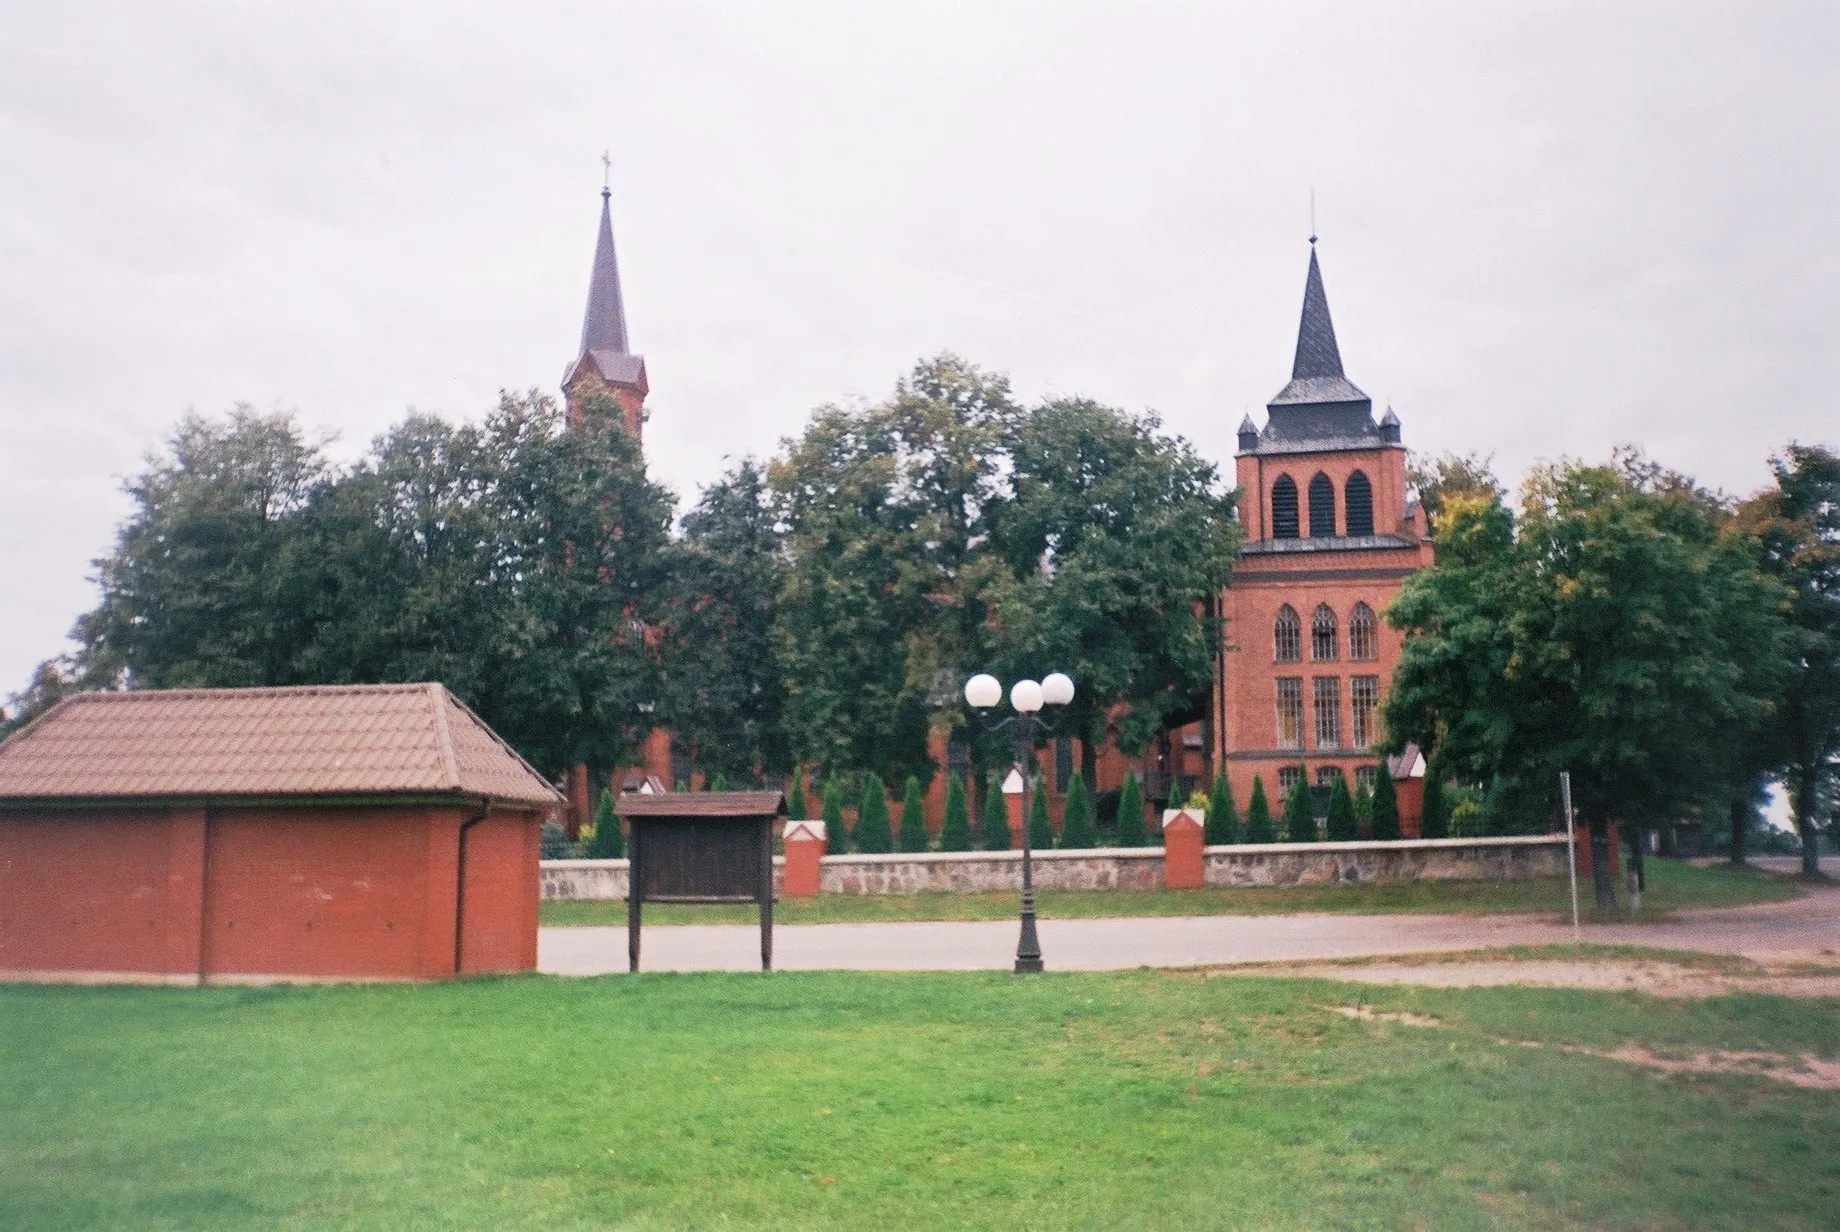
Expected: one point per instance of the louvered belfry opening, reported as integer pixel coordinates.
(1360, 504)
(1322, 507)
(1284, 523)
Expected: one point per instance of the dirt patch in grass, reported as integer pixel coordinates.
(1367, 1013)
(1659, 973)
(1806, 1071)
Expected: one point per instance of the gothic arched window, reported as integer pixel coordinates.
(1322, 635)
(1287, 635)
(1358, 502)
(1362, 643)
(1284, 508)
(1322, 507)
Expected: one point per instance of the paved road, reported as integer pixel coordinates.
(1808, 927)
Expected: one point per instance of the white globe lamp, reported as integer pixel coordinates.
(1025, 696)
(982, 691)
(1057, 688)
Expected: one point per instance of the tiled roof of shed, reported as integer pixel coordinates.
(344, 740)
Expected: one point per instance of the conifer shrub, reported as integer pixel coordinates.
(553, 842)
(609, 843)
(1041, 826)
(1131, 813)
(1258, 815)
(996, 820)
(873, 834)
(681, 786)
(796, 806)
(913, 816)
(1435, 821)
(720, 784)
(832, 809)
(955, 833)
(1386, 806)
(1300, 813)
(1222, 825)
(1341, 825)
(1363, 808)
(1077, 817)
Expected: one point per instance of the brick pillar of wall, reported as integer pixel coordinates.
(1182, 841)
(806, 843)
(1012, 804)
(1584, 852)
(1411, 796)
(581, 808)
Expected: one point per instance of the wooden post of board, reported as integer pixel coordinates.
(700, 847)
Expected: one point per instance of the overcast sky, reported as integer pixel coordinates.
(1546, 229)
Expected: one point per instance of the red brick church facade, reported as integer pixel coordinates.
(1330, 537)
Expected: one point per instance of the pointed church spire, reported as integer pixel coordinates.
(1317, 354)
(1316, 372)
(604, 326)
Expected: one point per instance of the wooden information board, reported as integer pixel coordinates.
(700, 847)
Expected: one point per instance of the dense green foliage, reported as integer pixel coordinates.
(1797, 525)
(515, 561)
(1222, 816)
(1077, 830)
(913, 816)
(873, 835)
(1131, 813)
(955, 830)
(796, 806)
(609, 840)
(1041, 825)
(1258, 815)
(1340, 826)
(1616, 627)
(1385, 805)
(1072, 1101)
(1300, 813)
(995, 833)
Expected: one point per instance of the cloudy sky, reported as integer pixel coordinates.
(1546, 229)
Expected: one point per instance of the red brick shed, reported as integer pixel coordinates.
(350, 832)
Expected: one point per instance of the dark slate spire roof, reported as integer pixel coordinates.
(1316, 373)
(603, 328)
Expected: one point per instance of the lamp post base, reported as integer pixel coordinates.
(1028, 948)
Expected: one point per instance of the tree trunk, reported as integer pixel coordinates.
(1638, 847)
(1601, 880)
(1807, 782)
(1740, 825)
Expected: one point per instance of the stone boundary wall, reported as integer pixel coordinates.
(1135, 868)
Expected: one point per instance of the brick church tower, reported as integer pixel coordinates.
(1330, 539)
(605, 364)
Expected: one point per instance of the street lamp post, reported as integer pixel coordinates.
(1026, 697)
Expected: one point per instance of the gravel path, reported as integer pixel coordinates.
(1805, 930)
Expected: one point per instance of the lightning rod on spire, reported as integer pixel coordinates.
(606, 172)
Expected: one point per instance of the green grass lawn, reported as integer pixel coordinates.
(852, 1100)
(1672, 886)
